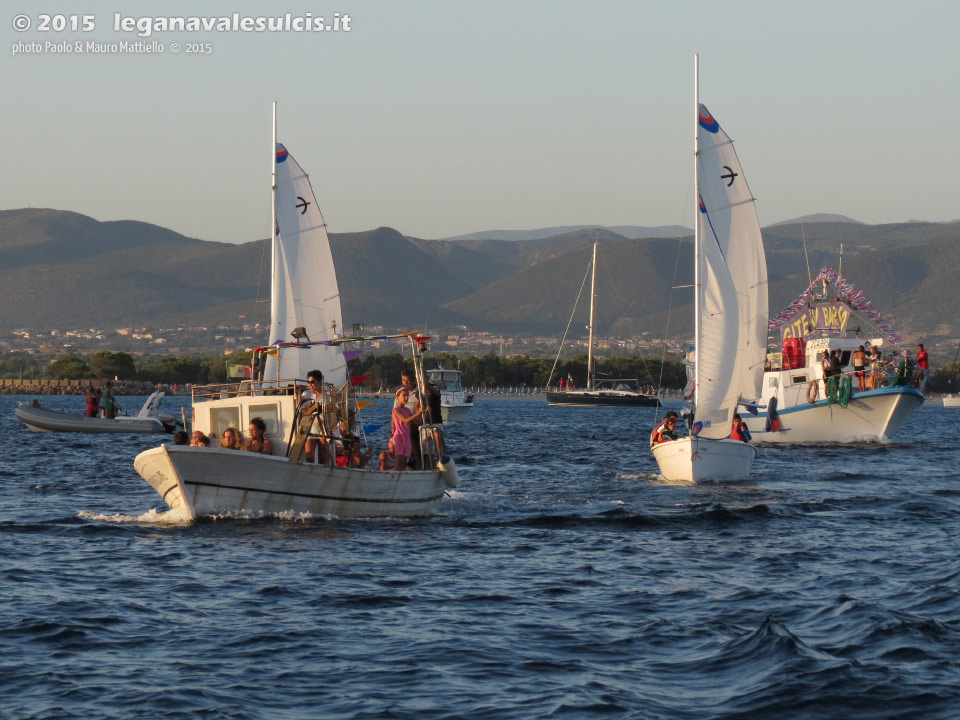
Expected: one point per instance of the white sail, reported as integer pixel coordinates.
(304, 290)
(734, 280)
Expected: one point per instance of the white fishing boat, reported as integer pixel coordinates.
(148, 420)
(951, 401)
(305, 305)
(800, 405)
(455, 402)
(730, 312)
(601, 391)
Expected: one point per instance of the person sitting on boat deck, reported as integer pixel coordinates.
(180, 438)
(198, 439)
(93, 402)
(352, 457)
(923, 367)
(738, 430)
(317, 443)
(35, 403)
(401, 423)
(231, 439)
(860, 362)
(388, 458)
(258, 443)
(666, 430)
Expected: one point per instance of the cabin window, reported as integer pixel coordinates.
(798, 379)
(224, 417)
(772, 382)
(845, 358)
(270, 414)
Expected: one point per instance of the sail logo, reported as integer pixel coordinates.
(281, 153)
(706, 120)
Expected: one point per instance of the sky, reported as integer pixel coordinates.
(446, 117)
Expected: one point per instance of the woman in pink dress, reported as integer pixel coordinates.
(402, 417)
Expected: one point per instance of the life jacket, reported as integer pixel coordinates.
(736, 434)
(659, 435)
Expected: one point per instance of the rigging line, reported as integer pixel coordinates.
(569, 322)
(263, 251)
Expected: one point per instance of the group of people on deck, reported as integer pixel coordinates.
(870, 370)
(404, 448)
(667, 429)
(102, 402)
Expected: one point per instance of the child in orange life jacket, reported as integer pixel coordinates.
(665, 431)
(739, 430)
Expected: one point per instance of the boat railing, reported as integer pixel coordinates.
(246, 388)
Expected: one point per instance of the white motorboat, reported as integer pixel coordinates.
(601, 391)
(799, 405)
(148, 420)
(455, 403)
(951, 400)
(730, 312)
(305, 305)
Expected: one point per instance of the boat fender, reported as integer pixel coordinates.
(812, 392)
(448, 471)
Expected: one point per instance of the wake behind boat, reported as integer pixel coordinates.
(305, 305)
(148, 420)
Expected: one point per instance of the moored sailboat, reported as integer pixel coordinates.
(730, 312)
(599, 390)
(305, 305)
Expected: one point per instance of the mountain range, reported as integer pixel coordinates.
(63, 270)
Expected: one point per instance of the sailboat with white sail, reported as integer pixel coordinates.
(730, 312)
(305, 306)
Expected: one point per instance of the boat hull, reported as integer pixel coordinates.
(586, 397)
(872, 416)
(455, 413)
(209, 481)
(41, 420)
(951, 401)
(704, 460)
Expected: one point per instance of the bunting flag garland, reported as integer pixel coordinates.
(357, 379)
(368, 429)
(848, 294)
(361, 404)
(349, 355)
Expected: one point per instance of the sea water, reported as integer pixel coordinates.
(562, 580)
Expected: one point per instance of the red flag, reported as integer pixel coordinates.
(357, 379)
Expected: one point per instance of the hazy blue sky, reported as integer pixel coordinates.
(448, 117)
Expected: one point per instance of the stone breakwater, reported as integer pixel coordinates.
(71, 387)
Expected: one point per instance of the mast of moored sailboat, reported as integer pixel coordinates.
(593, 297)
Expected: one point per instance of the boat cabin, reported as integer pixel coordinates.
(217, 407)
(789, 374)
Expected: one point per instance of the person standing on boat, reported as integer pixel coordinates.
(108, 403)
(402, 424)
(859, 361)
(317, 443)
(409, 382)
(923, 367)
(93, 402)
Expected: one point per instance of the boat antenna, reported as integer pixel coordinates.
(806, 255)
(840, 265)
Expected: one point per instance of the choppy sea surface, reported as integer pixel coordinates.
(562, 580)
